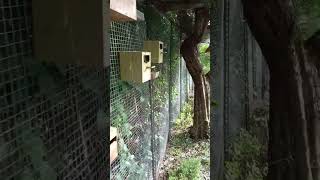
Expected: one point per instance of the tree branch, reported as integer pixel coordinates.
(201, 23)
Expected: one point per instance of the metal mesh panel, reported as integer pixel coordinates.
(50, 117)
(183, 83)
(146, 106)
(132, 100)
(53, 118)
(163, 84)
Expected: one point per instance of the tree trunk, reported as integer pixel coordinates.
(189, 51)
(294, 143)
(289, 155)
(200, 127)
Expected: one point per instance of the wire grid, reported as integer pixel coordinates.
(146, 105)
(161, 102)
(49, 118)
(183, 83)
(53, 117)
(176, 88)
(170, 82)
(132, 99)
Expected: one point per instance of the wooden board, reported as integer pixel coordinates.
(113, 144)
(71, 32)
(113, 133)
(123, 10)
(113, 151)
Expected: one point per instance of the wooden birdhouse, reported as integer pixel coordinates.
(135, 66)
(156, 49)
(113, 144)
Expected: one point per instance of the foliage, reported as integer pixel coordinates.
(248, 150)
(245, 163)
(308, 14)
(127, 160)
(258, 125)
(204, 57)
(160, 97)
(182, 140)
(181, 126)
(185, 119)
(121, 122)
(189, 170)
(183, 147)
(159, 27)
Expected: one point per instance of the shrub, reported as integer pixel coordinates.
(185, 119)
(188, 170)
(247, 161)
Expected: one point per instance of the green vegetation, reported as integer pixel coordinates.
(185, 119)
(246, 159)
(204, 57)
(127, 160)
(189, 170)
(186, 158)
(308, 13)
(248, 150)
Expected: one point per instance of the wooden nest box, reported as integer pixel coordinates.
(156, 49)
(135, 66)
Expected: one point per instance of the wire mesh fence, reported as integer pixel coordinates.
(143, 113)
(50, 117)
(53, 118)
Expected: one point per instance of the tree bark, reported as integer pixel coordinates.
(189, 51)
(294, 127)
(200, 126)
